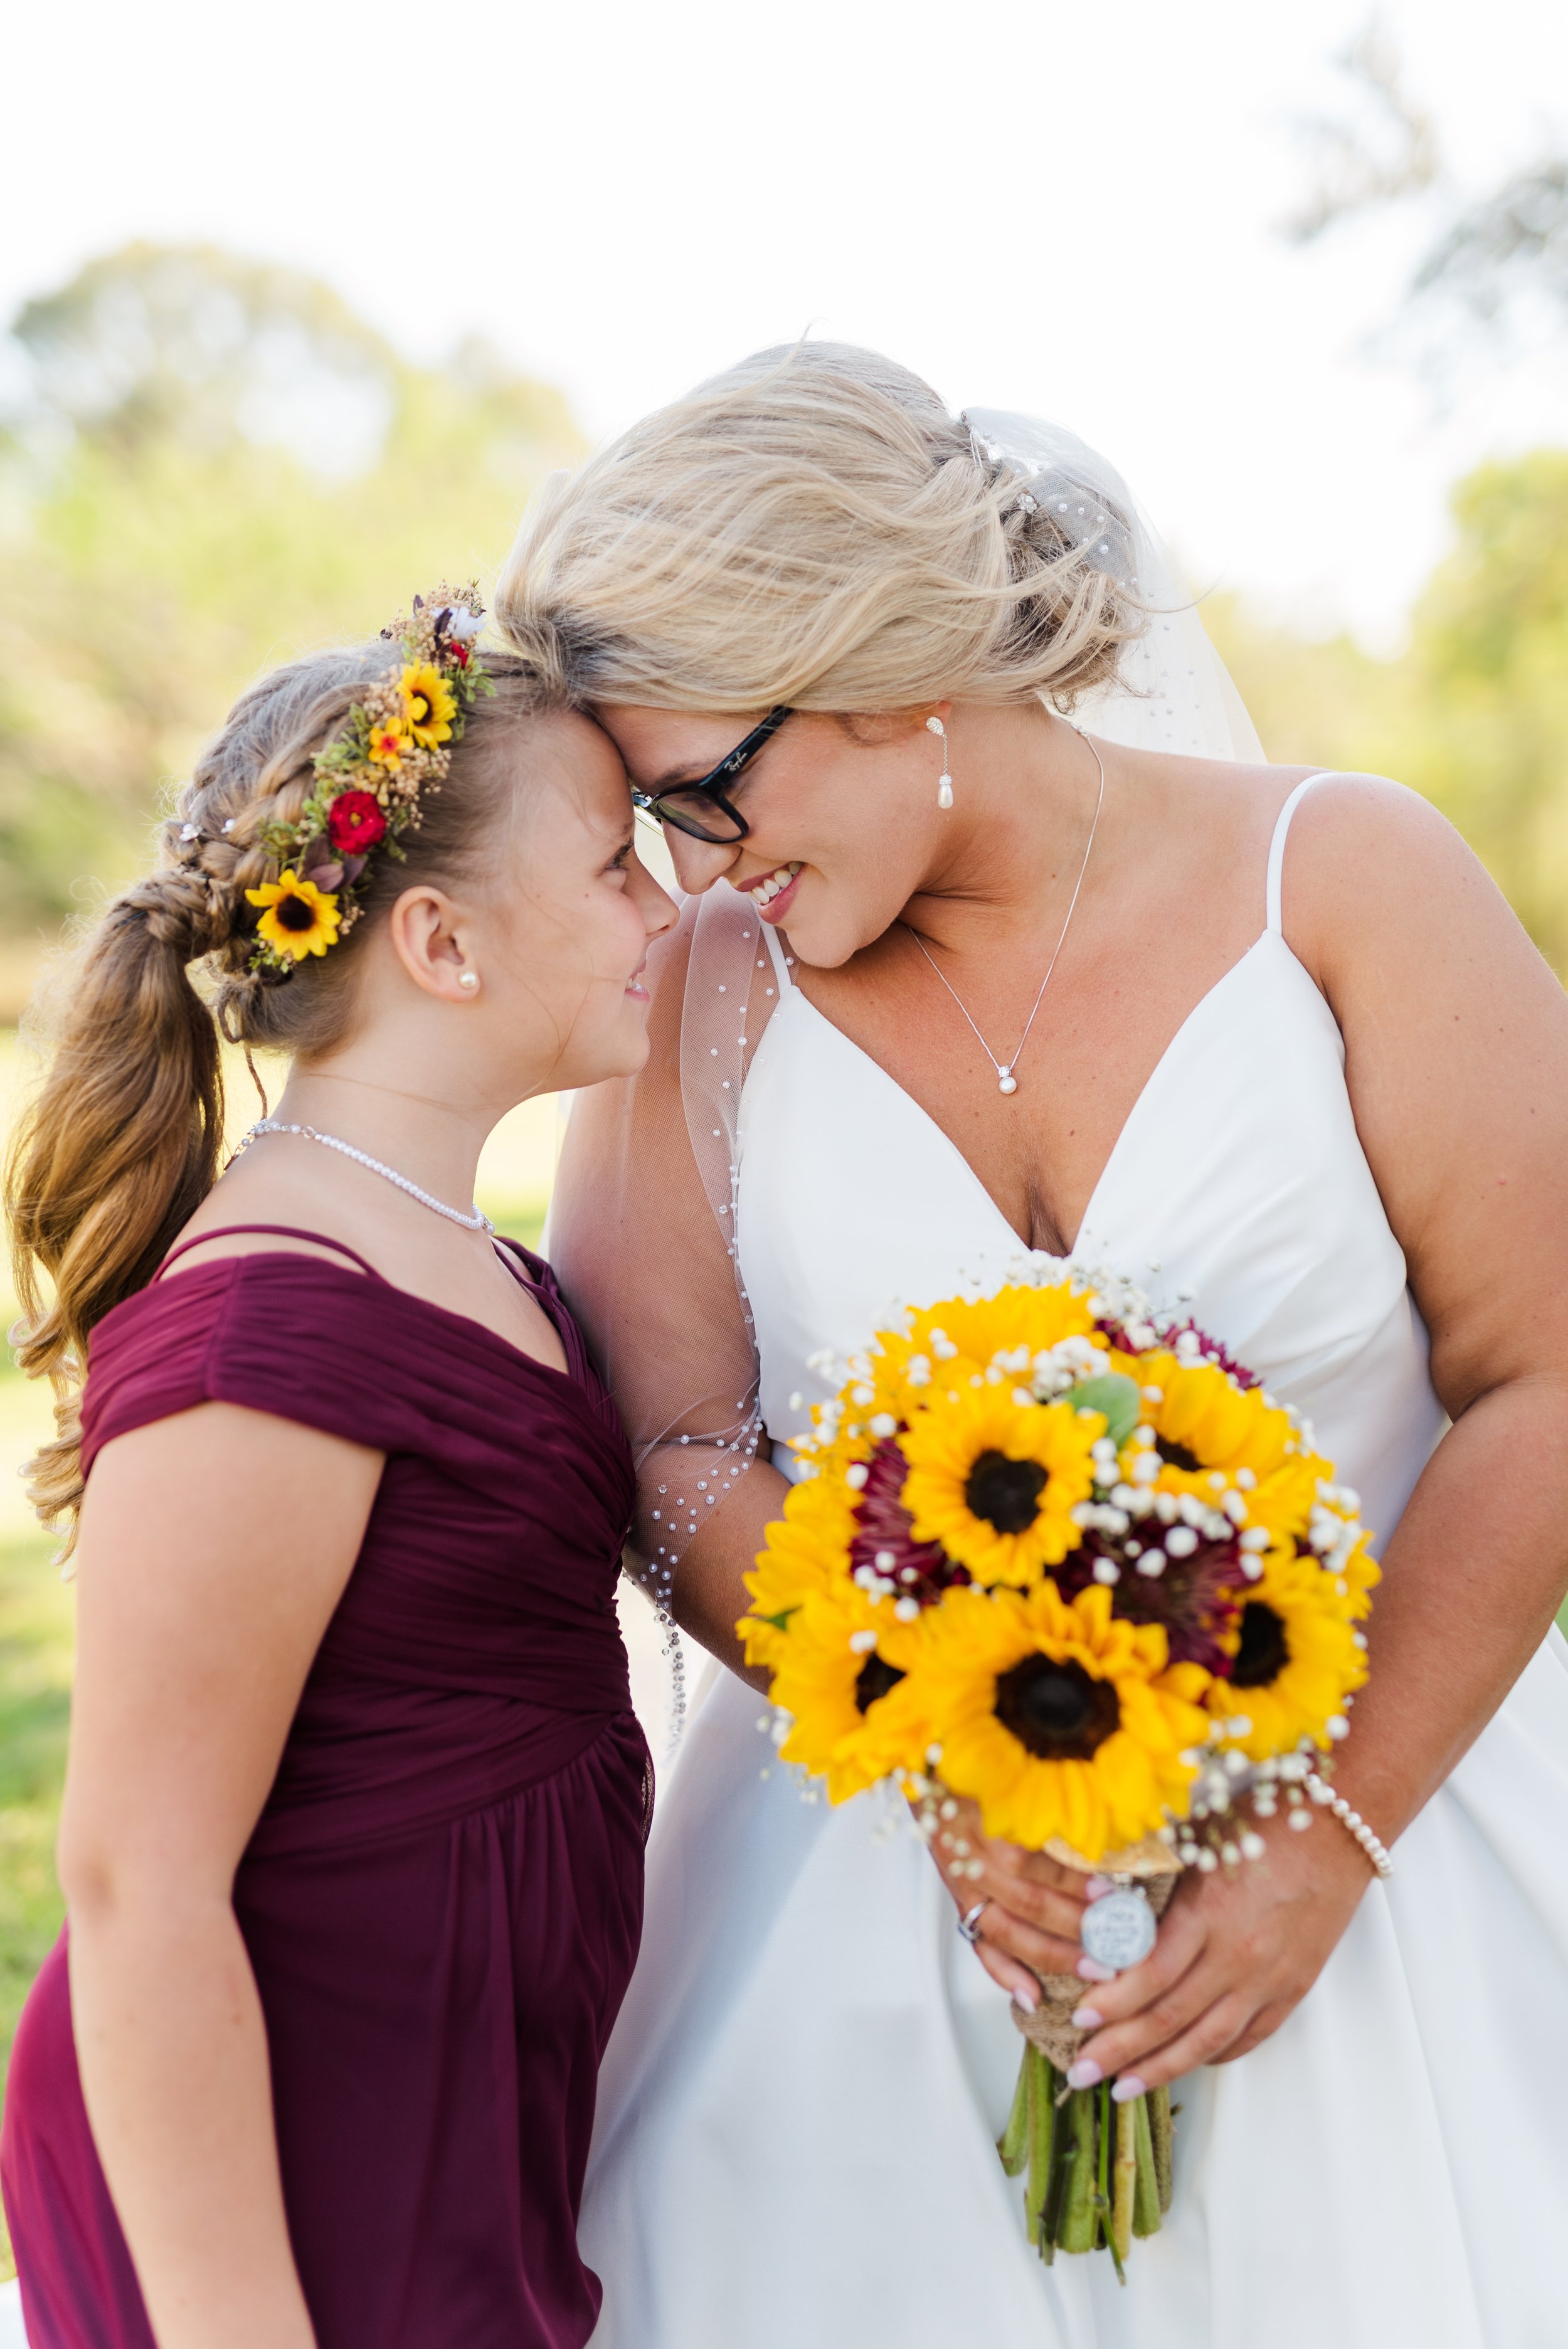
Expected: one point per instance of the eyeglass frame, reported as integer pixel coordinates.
(711, 785)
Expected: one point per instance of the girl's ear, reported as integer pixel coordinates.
(427, 934)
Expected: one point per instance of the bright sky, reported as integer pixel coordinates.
(1060, 205)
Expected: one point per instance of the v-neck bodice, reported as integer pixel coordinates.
(1237, 1188)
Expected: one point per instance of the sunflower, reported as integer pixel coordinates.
(1058, 1717)
(997, 1482)
(963, 1342)
(1212, 1436)
(300, 919)
(843, 1676)
(1295, 1659)
(806, 1555)
(429, 703)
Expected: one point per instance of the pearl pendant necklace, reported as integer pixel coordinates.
(474, 1223)
(1007, 1079)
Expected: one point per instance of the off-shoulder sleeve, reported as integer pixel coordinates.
(289, 1334)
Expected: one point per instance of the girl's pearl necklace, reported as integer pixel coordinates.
(474, 1223)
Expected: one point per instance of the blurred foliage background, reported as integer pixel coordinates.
(207, 464)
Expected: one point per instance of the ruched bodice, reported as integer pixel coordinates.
(806, 2035)
(477, 1644)
(442, 1898)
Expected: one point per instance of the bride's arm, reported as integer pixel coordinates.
(638, 1251)
(1457, 1060)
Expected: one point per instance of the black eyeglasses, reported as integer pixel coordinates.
(701, 808)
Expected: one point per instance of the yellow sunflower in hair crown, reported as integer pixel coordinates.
(300, 919)
(428, 703)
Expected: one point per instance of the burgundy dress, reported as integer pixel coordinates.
(443, 1896)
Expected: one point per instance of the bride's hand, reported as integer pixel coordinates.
(1029, 1924)
(1235, 1953)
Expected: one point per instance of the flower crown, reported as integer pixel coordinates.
(398, 745)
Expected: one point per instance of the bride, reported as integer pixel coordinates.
(1000, 938)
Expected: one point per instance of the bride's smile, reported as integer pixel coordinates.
(1232, 1032)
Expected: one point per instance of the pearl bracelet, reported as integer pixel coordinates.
(1321, 1792)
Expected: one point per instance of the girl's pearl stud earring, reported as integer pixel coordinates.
(469, 980)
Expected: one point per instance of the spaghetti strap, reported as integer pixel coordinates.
(1276, 850)
(278, 1231)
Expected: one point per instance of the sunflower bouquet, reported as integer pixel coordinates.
(1060, 1556)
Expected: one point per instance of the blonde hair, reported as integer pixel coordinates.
(121, 1144)
(811, 528)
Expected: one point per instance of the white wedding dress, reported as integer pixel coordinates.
(795, 2146)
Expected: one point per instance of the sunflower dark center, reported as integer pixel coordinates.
(295, 912)
(1058, 1712)
(1005, 1493)
(1176, 1456)
(1263, 1654)
(874, 1679)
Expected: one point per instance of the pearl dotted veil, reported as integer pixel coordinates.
(643, 1225)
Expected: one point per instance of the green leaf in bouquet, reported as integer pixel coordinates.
(1115, 1394)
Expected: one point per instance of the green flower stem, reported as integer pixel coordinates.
(1042, 2137)
(1106, 2124)
(1159, 2128)
(1124, 2178)
(1012, 2145)
(1080, 2227)
(1061, 2163)
(1146, 2191)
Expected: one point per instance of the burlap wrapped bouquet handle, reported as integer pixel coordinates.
(1050, 2028)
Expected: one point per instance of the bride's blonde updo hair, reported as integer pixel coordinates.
(122, 1142)
(811, 528)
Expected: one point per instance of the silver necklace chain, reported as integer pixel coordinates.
(474, 1223)
(1006, 1079)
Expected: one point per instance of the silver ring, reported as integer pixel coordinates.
(969, 1926)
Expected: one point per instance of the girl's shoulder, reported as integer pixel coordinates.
(289, 1332)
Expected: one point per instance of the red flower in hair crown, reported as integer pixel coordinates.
(397, 744)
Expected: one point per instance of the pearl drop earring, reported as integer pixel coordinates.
(469, 980)
(945, 788)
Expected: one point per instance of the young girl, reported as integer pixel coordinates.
(353, 1822)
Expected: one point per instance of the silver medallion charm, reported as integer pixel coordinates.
(1119, 1930)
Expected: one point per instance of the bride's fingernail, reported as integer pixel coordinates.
(1028, 1999)
(1124, 2090)
(1088, 2018)
(1090, 1969)
(1098, 1886)
(1085, 2074)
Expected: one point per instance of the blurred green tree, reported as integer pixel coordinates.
(210, 465)
(1474, 714)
